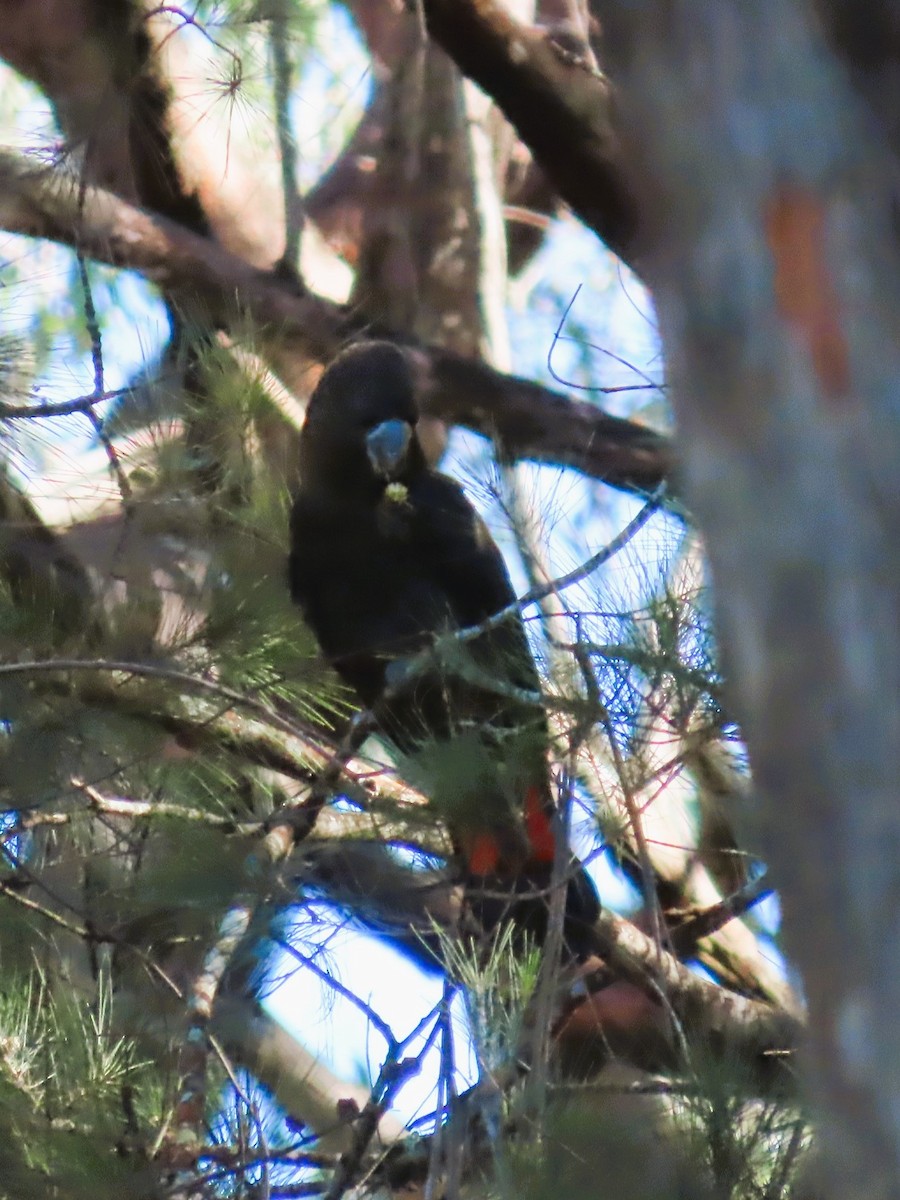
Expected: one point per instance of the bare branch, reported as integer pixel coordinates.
(60, 408)
(703, 922)
(561, 109)
(707, 1010)
(528, 420)
(301, 1082)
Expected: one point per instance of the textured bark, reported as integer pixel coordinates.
(726, 1023)
(420, 238)
(339, 200)
(96, 65)
(767, 199)
(559, 105)
(866, 37)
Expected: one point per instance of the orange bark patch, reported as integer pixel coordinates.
(804, 289)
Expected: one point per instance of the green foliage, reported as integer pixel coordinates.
(499, 979)
(17, 368)
(603, 1141)
(472, 785)
(192, 868)
(64, 1071)
(747, 1145)
(261, 646)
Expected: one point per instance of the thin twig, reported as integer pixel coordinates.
(350, 996)
(391, 1078)
(536, 594)
(286, 827)
(17, 897)
(648, 875)
(194, 683)
(93, 327)
(777, 1186)
(120, 806)
(424, 660)
(61, 408)
(700, 924)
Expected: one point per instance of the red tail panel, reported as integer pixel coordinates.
(539, 826)
(484, 855)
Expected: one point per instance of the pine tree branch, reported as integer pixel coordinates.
(290, 824)
(762, 1034)
(721, 1018)
(529, 421)
(697, 924)
(15, 895)
(561, 108)
(184, 680)
(61, 408)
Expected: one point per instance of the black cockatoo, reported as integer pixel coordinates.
(386, 554)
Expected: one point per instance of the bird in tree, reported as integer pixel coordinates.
(388, 558)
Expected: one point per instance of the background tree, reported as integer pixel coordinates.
(173, 749)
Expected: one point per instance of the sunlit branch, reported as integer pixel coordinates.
(528, 420)
(700, 923)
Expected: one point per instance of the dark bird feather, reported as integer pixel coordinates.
(386, 556)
